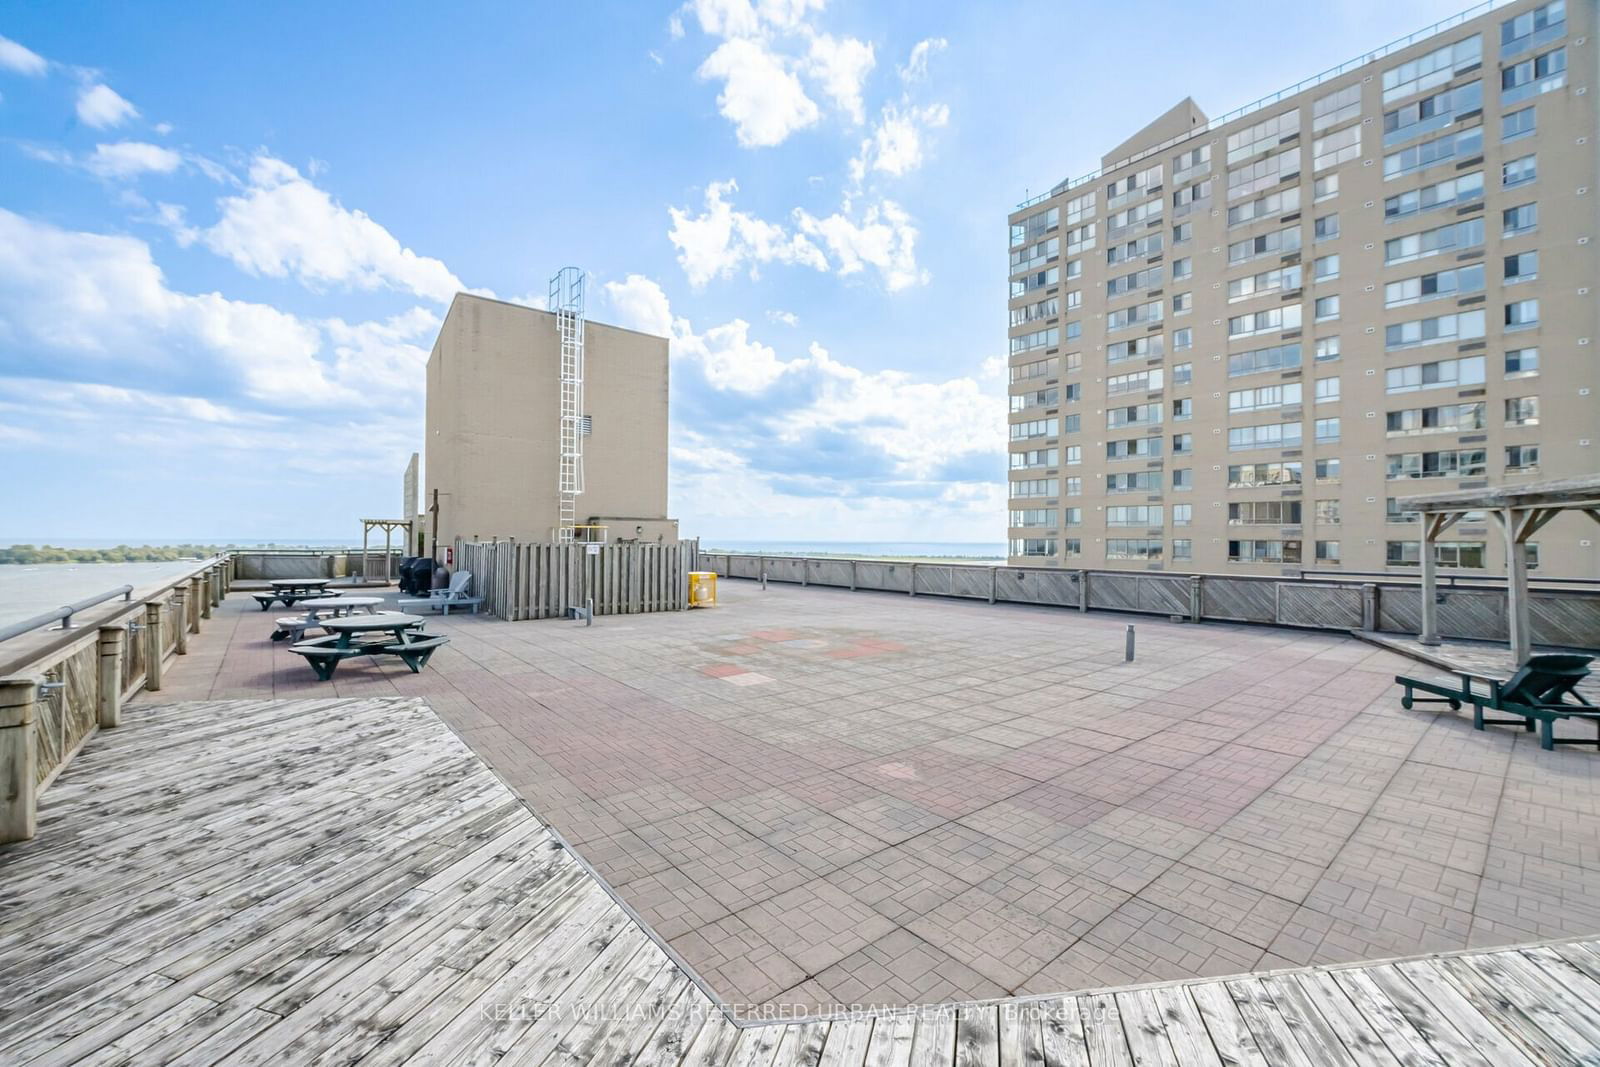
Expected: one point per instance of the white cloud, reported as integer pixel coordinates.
(129, 159)
(101, 106)
(19, 60)
(785, 318)
(101, 300)
(720, 240)
(916, 68)
(760, 95)
(884, 238)
(841, 65)
(896, 145)
(285, 226)
(786, 406)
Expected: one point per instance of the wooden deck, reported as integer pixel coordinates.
(344, 881)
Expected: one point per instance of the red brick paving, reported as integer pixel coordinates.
(920, 800)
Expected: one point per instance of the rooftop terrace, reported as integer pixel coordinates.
(810, 798)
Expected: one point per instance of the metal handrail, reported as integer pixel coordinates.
(1346, 67)
(63, 614)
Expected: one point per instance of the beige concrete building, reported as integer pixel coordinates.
(493, 427)
(1239, 342)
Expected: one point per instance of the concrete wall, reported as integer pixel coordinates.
(493, 413)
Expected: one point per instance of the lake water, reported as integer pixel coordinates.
(26, 591)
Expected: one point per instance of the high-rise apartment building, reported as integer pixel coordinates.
(1235, 346)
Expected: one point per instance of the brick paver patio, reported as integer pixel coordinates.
(816, 796)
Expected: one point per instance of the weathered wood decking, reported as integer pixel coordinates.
(343, 881)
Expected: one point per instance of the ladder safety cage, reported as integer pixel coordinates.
(566, 303)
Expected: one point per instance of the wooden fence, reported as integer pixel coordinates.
(519, 580)
(1565, 618)
(57, 687)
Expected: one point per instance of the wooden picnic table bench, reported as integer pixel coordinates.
(317, 609)
(289, 599)
(389, 633)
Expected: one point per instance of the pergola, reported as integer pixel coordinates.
(388, 526)
(1520, 511)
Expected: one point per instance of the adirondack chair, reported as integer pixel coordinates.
(1543, 691)
(454, 596)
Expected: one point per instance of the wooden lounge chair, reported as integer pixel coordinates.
(1543, 691)
(444, 599)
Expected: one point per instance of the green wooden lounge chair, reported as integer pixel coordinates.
(1544, 690)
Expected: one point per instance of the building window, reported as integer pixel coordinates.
(1325, 268)
(1183, 374)
(1452, 237)
(1431, 113)
(1340, 146)
(1182, 514)
(1280, 279)
(1325, 188)
(1032, 517)
(1327, 470)
(1072, 517)
(1449, 463)
(1431, 153)
(1328, 552)
(1142, 381)
(1440, 284)
(1444, 418)
(1182, 268)
(1270, 435)
(1457, 326)
(1033, 546)
(1257, 360)
(1264, 551)
(1522, 314)
(1183, 478)
(1522, 411)
(1272, 320)
(1522, 267)
(1524, 218)
(1327, 389)
(1533, 28)
(1327, 308)
(1327, 431)
(1341, 105)
(1074, 486)
(1071, 423)
(1522, 459)
(1074, 455)
(1264, 513)
(1531, 77)
(1021, 431)
(1182, 548)
(1182, 339)
(1132, 548)
(1326, 227)
(1149, 347)
(1251, 475)
(1134, 515)
(1278, 242)
(1328, 512)
(1182, 444)
(1519, 171)
(1460, 555)
(1326, 349)
(1264, 396)
(1522, 362)
(1074, 269)
(1466, 188)
(1037, 457)
(1444, 373)
(1183, 231)
(1436, 68)
(1182, 303)
(1517, 124)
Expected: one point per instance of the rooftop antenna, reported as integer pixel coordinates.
(566, 302)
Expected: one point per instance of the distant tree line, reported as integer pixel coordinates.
(120, 554)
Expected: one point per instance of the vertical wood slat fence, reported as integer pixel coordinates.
(520, 580)
(1563, 618)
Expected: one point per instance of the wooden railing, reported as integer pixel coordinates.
(57, 687)
(518, 580)
(1565, 617)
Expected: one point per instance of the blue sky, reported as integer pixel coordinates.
(228, 233)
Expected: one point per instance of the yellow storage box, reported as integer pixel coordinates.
(702, 589)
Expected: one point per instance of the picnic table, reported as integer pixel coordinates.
(299, 585)
(292, 591)
(364, 635)
(295, 627)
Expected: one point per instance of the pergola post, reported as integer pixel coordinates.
(388, 550)
(1430, 580)
(1512, 521)
(366, 529)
